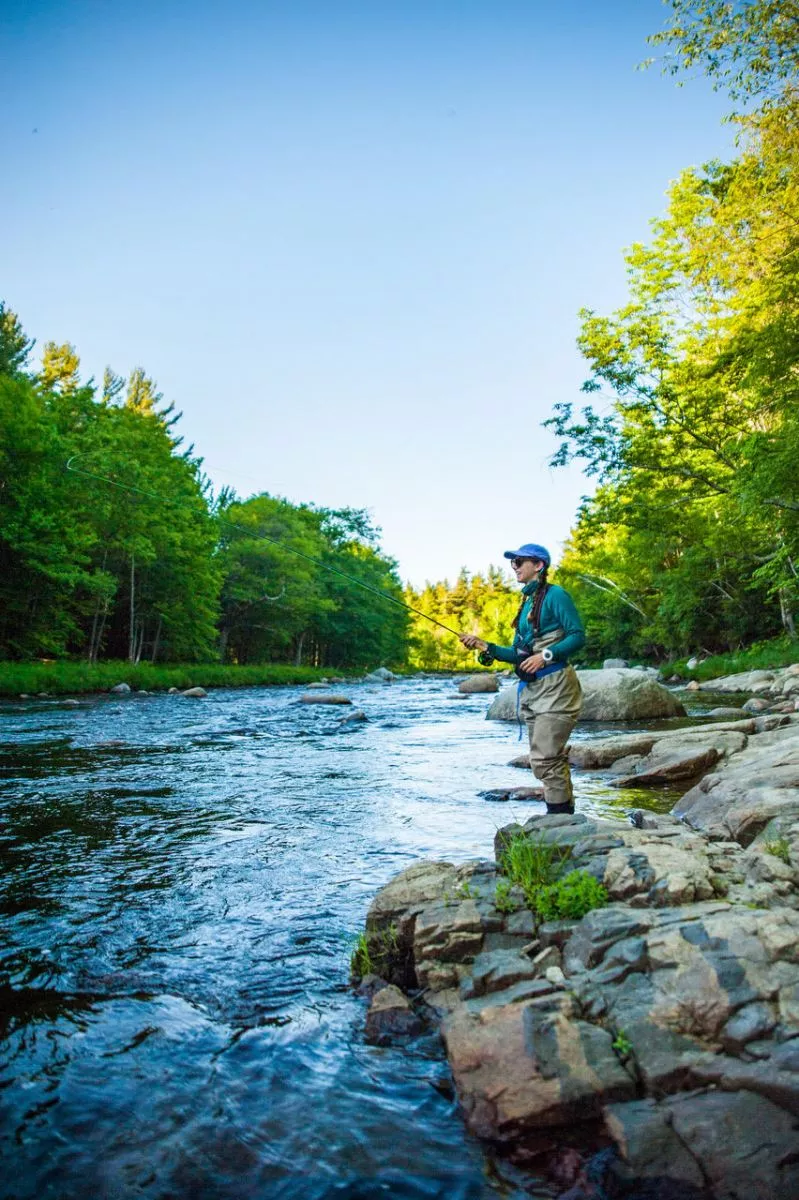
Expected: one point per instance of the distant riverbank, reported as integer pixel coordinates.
(69, 678)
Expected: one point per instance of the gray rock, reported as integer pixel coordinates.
(663, 767)
(625, 695)
(613, 695)
(381, 675)
(196, 693)
(120, 689)
(749, 1023)
(353, 718)
(479, 683)
(728, 712)
(610, 663)
(735, 1145)
(327, 698)
(755, 786)
(514, 793)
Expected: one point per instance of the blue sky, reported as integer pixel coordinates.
(349, 240)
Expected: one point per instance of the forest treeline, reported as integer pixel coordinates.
(691, 421)
(129, 554)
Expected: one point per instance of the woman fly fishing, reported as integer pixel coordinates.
(548, 632)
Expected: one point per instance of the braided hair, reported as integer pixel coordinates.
(538, 603)
(535, 612)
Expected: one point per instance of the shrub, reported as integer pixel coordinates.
(569, 898)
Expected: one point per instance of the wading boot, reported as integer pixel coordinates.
(554, 810)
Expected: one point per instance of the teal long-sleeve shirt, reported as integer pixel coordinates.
(557, 612)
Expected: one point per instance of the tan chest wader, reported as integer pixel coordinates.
(550, 706)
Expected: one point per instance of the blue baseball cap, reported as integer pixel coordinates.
(530, 550)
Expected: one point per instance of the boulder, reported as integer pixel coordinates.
(609, 663)
(625, 695)
(391, 1017)
(503, 707)
(381, 675)
(614, 695)
(486, 682)
(728, 712)
(324, 698)
(173, 691)
(195, 693)
(120, 689)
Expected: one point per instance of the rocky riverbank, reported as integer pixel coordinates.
(654, 1043)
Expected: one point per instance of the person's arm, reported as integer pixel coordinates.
(568, 618)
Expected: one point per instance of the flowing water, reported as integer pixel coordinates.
(181, 883)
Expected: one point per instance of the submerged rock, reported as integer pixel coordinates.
(381, 675)
(324, 698)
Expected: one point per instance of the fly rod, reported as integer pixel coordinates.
(125, 487)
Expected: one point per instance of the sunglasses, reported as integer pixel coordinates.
(517, 562)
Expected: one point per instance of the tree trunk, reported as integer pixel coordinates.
(132, 628)
(224, 636)
(298, 655)
(788, 623)
(138, 644)
(157, 638)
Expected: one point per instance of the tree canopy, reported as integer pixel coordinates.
(129, 555)
(692, 426)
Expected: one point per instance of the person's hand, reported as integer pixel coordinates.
(472, 642)
(532, 664)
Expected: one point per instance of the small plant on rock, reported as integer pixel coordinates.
(532, 863)
(569, 898)
(622, 1045)
(463, 891)
(780, 848)
(503, 900)
(361, 958)
(374, 952)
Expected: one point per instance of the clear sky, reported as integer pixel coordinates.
(348, 239)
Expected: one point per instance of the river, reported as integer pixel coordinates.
(181, 885)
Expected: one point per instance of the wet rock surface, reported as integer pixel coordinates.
(654, 1043)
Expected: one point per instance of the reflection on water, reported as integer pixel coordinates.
(181, 883)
